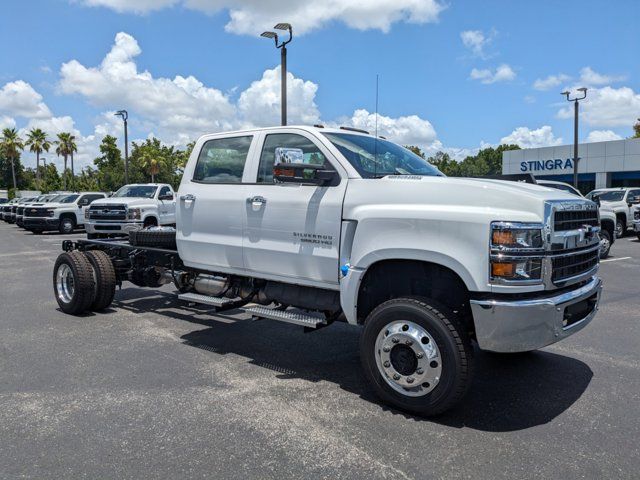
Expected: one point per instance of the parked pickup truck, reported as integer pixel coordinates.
(622, 202)
(311, 226)
(608, 218)
(636, 221)
(131, 208)
(65, 214)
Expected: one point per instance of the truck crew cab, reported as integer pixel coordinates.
(131, 208)
(311, 225)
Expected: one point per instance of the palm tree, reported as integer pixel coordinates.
(72, 148)
(37, 142)
(62, 148)
(12, 145)
(152, 164)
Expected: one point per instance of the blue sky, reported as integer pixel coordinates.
(440, 87)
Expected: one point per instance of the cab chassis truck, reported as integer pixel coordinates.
(310, 226)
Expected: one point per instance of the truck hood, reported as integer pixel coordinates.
(503, 200)
(128, 201)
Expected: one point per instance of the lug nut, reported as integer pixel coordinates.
(386, 349)
(395, 340)
(409, 342)
(396, 376)
(419, 355)
(419, 371)
(409, 379)
(386, 364)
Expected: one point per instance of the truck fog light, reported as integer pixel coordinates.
(504, 270)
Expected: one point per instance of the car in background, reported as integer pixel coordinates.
(41, 200)
(636, 221)
(608, 218)
(65, 215)
(6, 209)
(622, 201)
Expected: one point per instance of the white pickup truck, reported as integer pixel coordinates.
(311, 226)
(64, 212)
(131, 208)
(622, 201)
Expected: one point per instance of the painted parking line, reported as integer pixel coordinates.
(614, 259)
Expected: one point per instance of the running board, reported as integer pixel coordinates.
(310, 322)
(220, 303)
(297, 318)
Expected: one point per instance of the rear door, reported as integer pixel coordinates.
(211, 203)
(292, 230)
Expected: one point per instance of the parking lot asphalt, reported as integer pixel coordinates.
(153, 388)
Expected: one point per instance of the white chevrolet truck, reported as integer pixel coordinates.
(132, 207)
(64, 213)
(311, 225)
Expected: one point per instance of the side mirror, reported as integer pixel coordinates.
(167, 196)
(633, 200)
(289, 166)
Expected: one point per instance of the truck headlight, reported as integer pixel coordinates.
(87, 214)
(517, 251)
(134, 214)
(51, 212)
(516, 236)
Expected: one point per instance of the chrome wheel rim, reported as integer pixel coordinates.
(619, 229)
(65, 283)
(67, 227)
(408, 358)
(605, 245)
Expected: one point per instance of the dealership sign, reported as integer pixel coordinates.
(546, 165)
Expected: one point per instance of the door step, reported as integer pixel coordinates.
(218, 302)
(295, 317)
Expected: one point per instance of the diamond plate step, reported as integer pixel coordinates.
(205, 299)
(296, 318)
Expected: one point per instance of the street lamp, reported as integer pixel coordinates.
(575, 129)
(283, 69)
(125, 116)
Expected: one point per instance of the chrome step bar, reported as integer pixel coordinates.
(258, 312)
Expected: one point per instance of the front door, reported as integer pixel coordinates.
(211, 203)
(166, 207)
(293, 230)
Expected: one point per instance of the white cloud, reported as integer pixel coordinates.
(607, 107)
(588, 77)
(476, 41)
(259, 104)
(551, 81)
(6, 122)
(602, 136)
(254, 16)
(503, 73)
(527, 138)
(19, 99)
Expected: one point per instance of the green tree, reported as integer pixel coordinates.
(11, 145)
(443, 162)
(415, 150)
(37, 142)
(152, 164)
(62, 149)
(109, 165)
(169, 171)
(636, 129)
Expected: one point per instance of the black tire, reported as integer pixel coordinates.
(455, 348)
(153, 238)
(67, 225)
(621, 227)
(105, 275)
(36, 232)
(83, 291)
(605, 235)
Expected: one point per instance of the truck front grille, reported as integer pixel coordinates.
(568, 266)
(20, 211)
(574, 219)
(108, 212)
(37, 212)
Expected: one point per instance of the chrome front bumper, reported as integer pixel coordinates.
(523, 325)
(113, 228)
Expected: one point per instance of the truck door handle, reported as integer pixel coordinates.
(257, 201)
(189, 197)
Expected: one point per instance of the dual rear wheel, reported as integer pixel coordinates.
(84, 281)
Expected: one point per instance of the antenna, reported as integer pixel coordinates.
(375, 144)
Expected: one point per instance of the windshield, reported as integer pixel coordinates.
(375, 158)
(611, 196)
(136, 191)
(68, 199)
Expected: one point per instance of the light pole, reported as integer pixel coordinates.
(575, 129)
(125, 116)
(283, 69)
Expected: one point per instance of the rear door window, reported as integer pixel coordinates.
(222, 160)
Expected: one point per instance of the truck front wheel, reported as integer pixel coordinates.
(67, 225)
(73, 283)
(416, 355)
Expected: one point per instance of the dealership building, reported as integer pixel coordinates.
(601, 164)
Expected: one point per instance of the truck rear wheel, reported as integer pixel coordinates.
(416, 355)
(105, 276)
(73, 283)
(160, 238)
